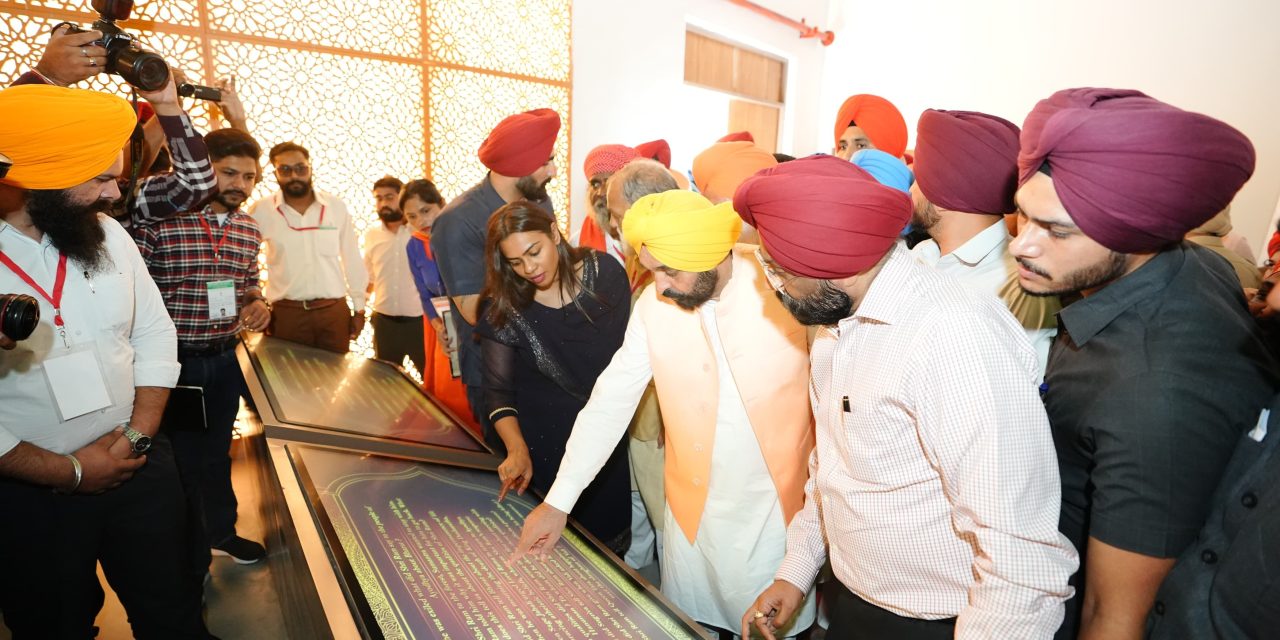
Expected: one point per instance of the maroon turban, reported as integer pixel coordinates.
(658, 150)
(967, 161)
(823, 217)
(607, 158)
(1134, 173)
(521, 143)
(738, 136)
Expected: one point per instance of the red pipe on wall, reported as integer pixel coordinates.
(806, 30)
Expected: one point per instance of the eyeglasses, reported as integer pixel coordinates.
(778, 279)
(287, 170)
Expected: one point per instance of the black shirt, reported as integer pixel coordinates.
(1149, 385)
(457, 242)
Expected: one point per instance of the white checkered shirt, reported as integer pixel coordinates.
(936, 488)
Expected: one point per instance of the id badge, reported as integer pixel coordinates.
(76, 381)
(222, 299)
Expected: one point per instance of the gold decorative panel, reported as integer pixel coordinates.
(361, 26)
(345, 79)
(466, 105)
(522, 37)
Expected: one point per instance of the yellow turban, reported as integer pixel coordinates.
(724, 165)
(682, 229)
(57, 137)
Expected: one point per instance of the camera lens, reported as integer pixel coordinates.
(141, 68)
(19, 315)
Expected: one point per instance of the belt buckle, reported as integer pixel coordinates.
(306, 305)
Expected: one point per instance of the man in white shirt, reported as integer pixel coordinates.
(82, 396)
(313, 260)
(966, 169)
(933, 487)
(730, 368)
(397, 308)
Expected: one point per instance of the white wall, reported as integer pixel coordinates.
(628, 76)
(1001, 56)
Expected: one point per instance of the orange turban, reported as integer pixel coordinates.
(607, 158)
(521, 143)
(721, 168)
(878, 118)
(658, 150)
(57, 137)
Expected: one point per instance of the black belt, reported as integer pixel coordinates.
(206, 349)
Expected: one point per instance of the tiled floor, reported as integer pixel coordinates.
(241, 599)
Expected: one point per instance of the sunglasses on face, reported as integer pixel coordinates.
(287, 170)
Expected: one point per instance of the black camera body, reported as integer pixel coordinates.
(125, 55)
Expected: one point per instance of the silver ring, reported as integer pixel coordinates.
(758, 615)
(92, 62)
(84, 51)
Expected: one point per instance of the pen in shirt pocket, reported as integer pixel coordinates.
(844, 404)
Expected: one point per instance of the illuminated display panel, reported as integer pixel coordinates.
(422, 548)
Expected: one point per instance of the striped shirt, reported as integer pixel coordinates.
(934, 483)
(184, 257)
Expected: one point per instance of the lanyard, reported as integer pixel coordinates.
(56, 298)
(217, 246)
(319, 225)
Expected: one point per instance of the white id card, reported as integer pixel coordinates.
(222, 299)
(77, 383)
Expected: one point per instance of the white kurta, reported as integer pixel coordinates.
(742, 535)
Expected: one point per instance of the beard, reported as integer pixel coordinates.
(531, 190)
(231, 199)
(826, 306)
(703, 288)
(388, 215)
(924, 215)
(1090, 277)
(297, 188)
(73, 229)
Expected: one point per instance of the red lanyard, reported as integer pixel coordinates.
(56, 298)
(318, 226)
(217, 246)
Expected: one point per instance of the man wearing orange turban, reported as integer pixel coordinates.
(934, 463)
(1158, 368)
(729, 366)
(83, 394)
(869, 122)
(966, 168)
(519, 154)
(724, 165)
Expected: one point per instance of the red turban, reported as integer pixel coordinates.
(1134, 173)
(607, 158)
(737, 136)
(967, 161)
(823, 217)
(878, 118)
(658, 150)
(521, 143)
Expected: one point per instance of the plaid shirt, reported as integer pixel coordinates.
(180, 254)
(186, 187)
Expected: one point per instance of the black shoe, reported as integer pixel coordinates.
(241, 550)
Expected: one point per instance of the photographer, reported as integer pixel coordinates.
(81, 477)
(71, 57)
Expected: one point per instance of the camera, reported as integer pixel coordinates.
(125, 56)
(199, 92)
(19, 315)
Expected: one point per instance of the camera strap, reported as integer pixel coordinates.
(136, 151)
(55, 299)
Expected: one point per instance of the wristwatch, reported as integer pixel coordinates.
(141, 442)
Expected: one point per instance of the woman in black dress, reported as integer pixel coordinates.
(551, 320)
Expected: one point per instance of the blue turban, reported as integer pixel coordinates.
(886, 169)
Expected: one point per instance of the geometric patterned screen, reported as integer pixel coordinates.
(371, 87)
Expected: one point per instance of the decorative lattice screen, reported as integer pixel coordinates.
(370, 87)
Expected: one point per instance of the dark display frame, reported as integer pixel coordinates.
(276, 426)
(356, 599)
